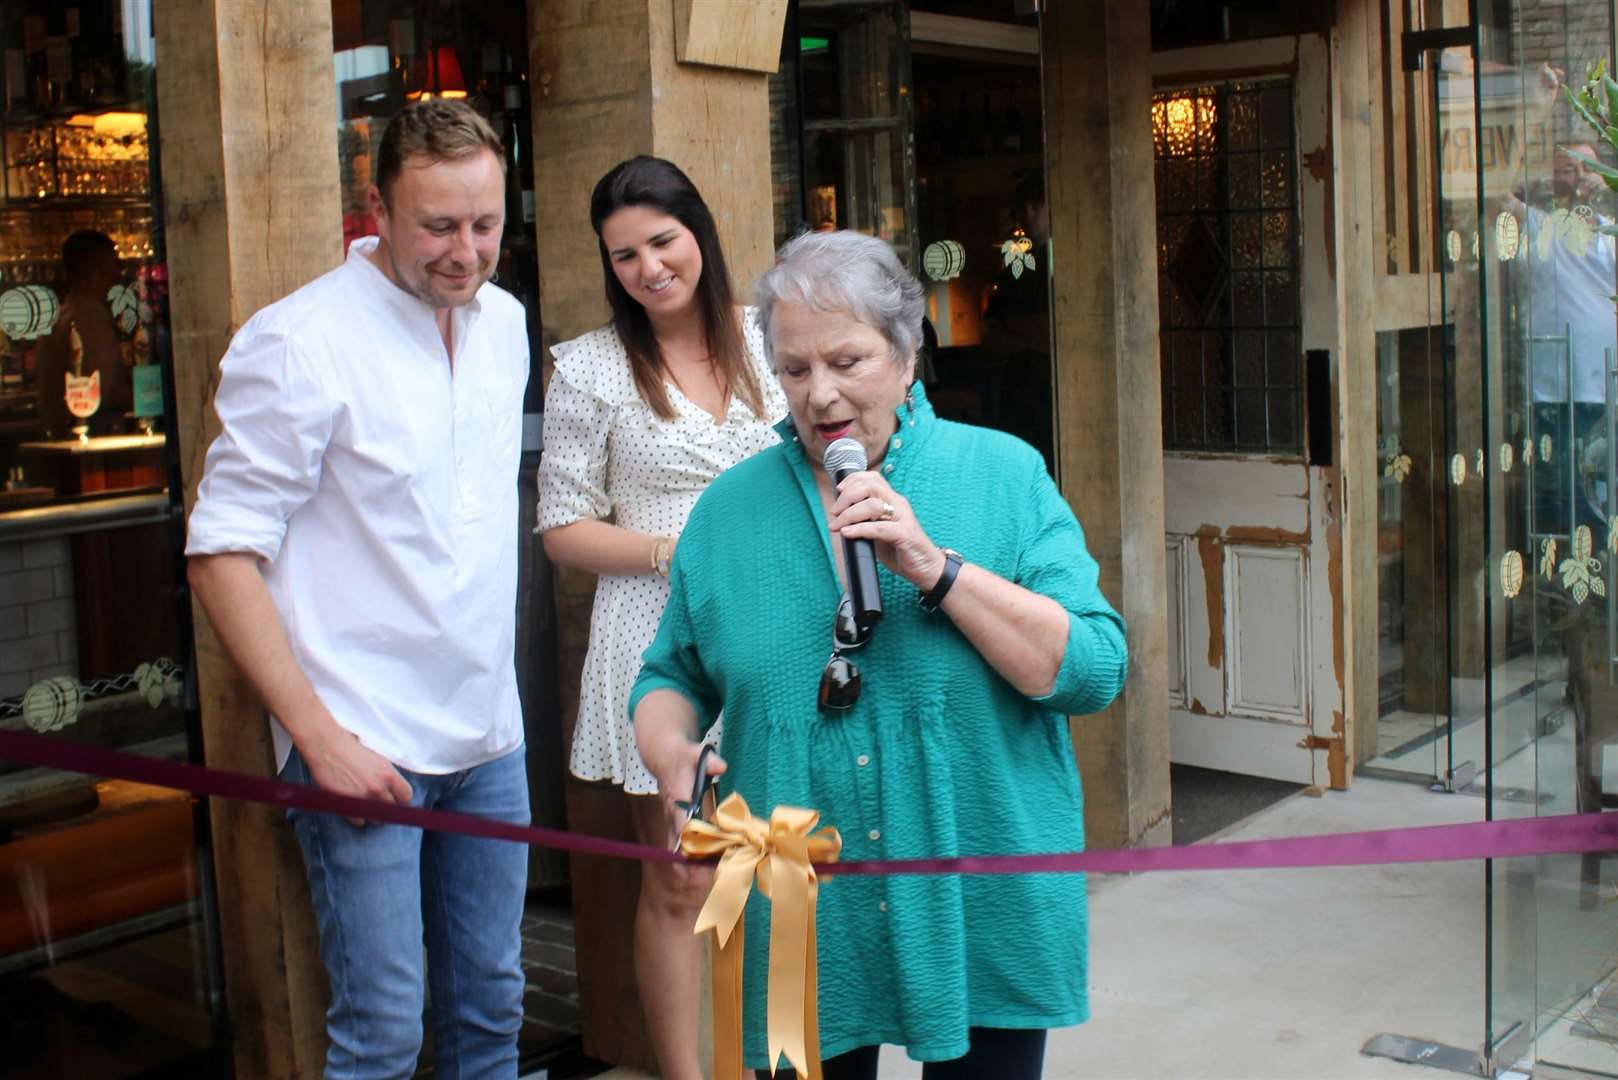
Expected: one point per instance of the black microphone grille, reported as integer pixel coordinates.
(845, 455)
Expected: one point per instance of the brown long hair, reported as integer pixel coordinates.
(659, 184)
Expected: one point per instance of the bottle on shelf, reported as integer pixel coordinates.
(517, 135)
(1011, 134)
(984, 140)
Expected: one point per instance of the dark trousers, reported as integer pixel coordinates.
(994, 1054)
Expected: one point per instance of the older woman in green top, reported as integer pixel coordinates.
(953, 738)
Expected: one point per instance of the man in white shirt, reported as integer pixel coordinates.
(1571, 273)
(354, 543)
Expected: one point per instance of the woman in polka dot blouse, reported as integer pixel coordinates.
(640, 416)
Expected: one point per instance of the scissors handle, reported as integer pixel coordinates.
(699, 788)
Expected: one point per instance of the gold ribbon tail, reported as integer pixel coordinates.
(727, 1005)
(781, 856)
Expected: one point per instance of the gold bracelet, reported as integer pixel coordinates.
(660, 556)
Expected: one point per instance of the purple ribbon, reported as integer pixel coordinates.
(1556, 835)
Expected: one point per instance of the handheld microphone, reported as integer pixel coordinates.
(844, 457)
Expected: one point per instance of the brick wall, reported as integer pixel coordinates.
(37, 638)
(784, 148)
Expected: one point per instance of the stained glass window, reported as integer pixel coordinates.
(1227, 264)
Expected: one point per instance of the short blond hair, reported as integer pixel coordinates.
(437, 129)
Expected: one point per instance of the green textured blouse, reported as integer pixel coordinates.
(939, 757)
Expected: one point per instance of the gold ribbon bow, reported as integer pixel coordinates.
(780, 854)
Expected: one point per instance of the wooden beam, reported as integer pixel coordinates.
(1215, 62)
(1403, 301)
(1354, 374)
(1388, 176)
(967, 33)
(1420, 120)
(1098, 146)
(248, 219)
(608, 85)
(723, 33)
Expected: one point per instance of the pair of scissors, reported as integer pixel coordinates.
(701, 787)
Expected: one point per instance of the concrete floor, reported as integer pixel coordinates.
(1280, 974)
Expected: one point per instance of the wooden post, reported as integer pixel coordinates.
(247, 220)
(1354, 368)
(1109, 425)
(607, 85)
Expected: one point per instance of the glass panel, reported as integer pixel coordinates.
(1246, 240)
(1243, 123)
(1280, 248)
(1412, 583)
(1281, 357)
(1245, 187)
(1226, 262)
(1248, 290)
(1219, 431)
(1251, 415)
(1280, 299)
(980, 200)
(1283, 416)
(1528, 282)
(1276, 178)
(1188, 417)
(1249, 347)
(853, 67)
(107, 960)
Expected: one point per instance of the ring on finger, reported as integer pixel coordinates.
(887, 511)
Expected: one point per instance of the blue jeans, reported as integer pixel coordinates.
(379, 889)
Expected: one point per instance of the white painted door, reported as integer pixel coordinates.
(1253, 540)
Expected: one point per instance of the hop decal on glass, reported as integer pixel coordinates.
(1397, 466)
(1507, 236)
(52, 704)
(1457, 470)
(1581, 571)
(1511, 573)
(1547, 558)
(1018, 253)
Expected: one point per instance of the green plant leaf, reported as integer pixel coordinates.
(1596, 166)
(1577, 101)
(1612, 95)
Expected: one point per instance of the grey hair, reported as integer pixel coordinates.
(846, 271)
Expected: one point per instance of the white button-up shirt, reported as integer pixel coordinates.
(379, 486)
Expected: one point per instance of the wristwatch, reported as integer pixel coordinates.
(662, 554)
(952, 565)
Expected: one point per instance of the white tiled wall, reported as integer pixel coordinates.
(37, 638)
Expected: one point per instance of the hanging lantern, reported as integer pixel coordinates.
(440, 73)
(943, 260)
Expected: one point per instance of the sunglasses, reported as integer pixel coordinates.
(840, 679)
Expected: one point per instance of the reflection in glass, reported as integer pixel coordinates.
(107, 964)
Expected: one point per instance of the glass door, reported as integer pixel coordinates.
(1528, 277)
